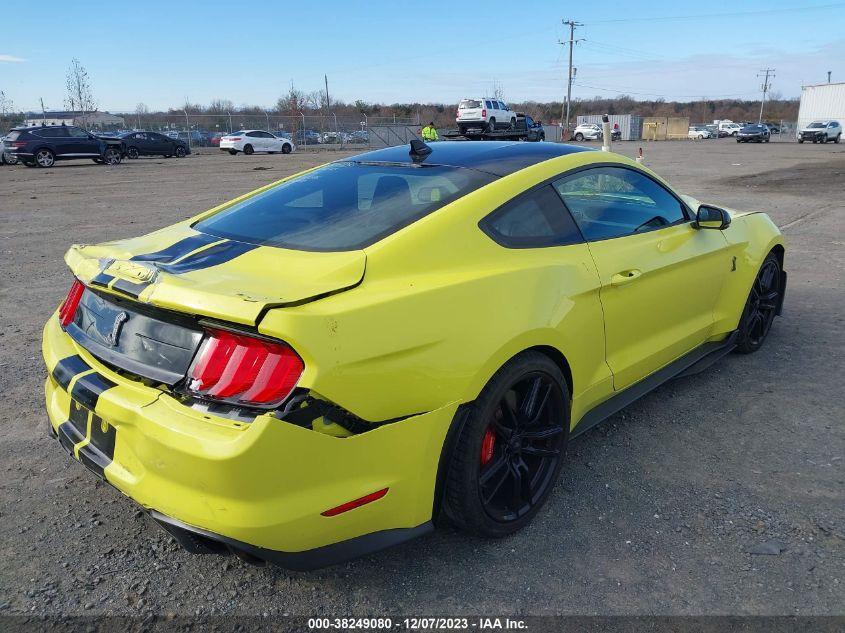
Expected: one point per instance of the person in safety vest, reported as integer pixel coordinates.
(429, 133)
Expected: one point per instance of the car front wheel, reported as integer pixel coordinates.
(761, 306)
(180, 152)
(509, 451)
(286, 149)
(112, 156)
(132, 153)
(579, 137)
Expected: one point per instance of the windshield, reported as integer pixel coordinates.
(469, 103)
(342, 206)
(817, 124)
(241, 132)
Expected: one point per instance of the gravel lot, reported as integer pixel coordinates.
(656, 512)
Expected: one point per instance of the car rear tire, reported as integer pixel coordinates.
(513, 123)
(838, 136)
(45, 158)
(132, 153)
(286, 149)
(180, 152)
(510, 448)
(248, 150)
(579, 137)
(112, 156)
(491, 125)
(761, 306)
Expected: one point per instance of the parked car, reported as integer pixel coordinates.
(251, 141)
(359, 137)
(486, 113)
(308, 137)
(729, 127)
(773, 128)
(251, 377)
(821, 132)
(153, 144)
(5, 157)
(715, 132)
(44, 145)
(587, 132)
(756, 133)
(214, 139)
(699, 132)
(533, 129)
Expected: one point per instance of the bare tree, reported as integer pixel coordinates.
(6, 105)
(293, 101)
(79, 94)
(498, 92)
(141, 110)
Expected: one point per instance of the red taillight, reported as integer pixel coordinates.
(357, 503)
(18, 143)
(68, 308)
(233, 138)
(243, 369)
(484, 114)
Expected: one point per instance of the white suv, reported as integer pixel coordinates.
(821, 132)
(487, 114)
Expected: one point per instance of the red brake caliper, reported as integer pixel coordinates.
(487, 445)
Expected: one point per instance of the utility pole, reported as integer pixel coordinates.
(43, 111)
(572, 41)
(828, 76)
(765, 88)
(328, 103)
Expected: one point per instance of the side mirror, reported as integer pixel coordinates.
(711, 218)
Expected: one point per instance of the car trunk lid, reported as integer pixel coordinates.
(199, 274)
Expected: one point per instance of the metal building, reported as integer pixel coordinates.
(823, 101)
(630, 125)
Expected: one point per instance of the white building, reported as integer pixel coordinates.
(87, 120)
(824, 101)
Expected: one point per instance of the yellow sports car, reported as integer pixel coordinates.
(340, 360)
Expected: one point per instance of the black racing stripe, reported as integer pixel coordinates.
(212, 256)
(129, 288)
(65, 436)
(102, 280)
(67, 368)
(99, 452)
(78, 419)
(87, 389)
(177, 250)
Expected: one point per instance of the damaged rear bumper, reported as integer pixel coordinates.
(257, 487)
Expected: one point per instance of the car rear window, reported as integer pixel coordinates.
(342, 206)
(469, 103)
(13, 136)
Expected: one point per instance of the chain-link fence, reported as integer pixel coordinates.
(306, 130)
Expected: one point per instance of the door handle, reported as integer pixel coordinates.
(626, 276)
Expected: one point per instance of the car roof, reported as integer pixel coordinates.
(499, 158)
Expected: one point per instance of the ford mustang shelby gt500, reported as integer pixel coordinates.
(339, 360)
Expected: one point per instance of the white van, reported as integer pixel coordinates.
(485, 113)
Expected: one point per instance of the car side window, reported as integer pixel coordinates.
(52, 132)
(608, 202)
(75, 132)
(534, 219)
(252, 134)
(488, 105)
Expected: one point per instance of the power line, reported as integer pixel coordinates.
(704, 16)
(625, 90)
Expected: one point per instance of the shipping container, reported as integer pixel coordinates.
(824, 101)
(630, 125)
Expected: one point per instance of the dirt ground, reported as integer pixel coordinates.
(655, 513)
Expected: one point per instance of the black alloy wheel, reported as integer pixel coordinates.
(761, 307)
(248, 150)
(286, 148)
(510, 450)
(180, 151)
(132, 153)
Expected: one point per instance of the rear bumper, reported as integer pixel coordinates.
(256, 487)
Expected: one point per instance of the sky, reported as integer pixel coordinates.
(162, 53)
